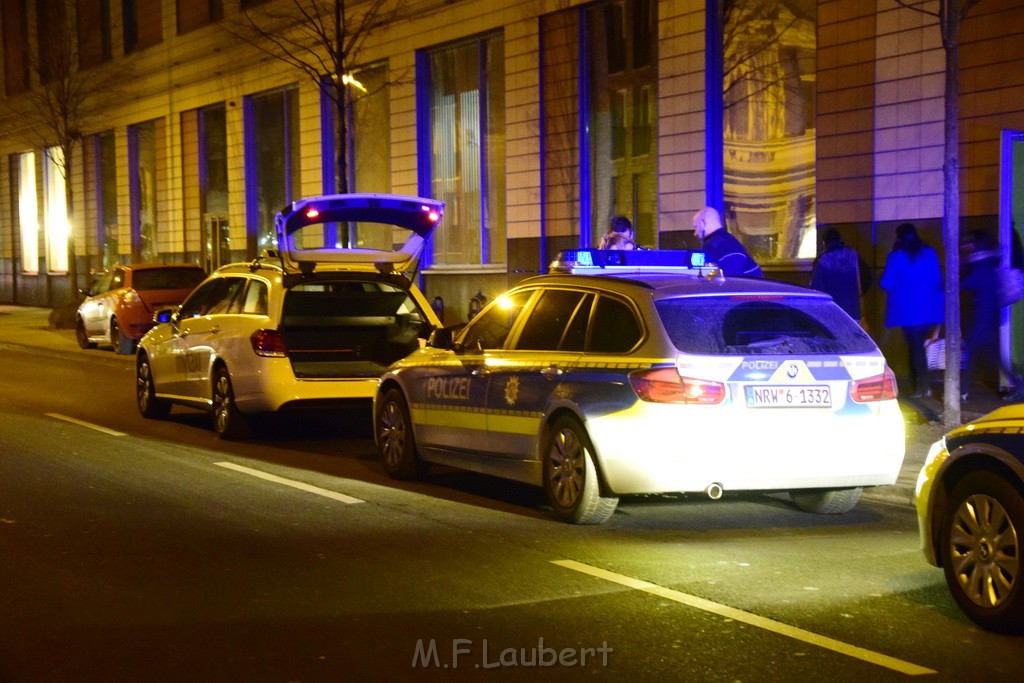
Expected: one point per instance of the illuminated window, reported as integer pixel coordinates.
(55, 216)
(28, 212)
(142, 179)
(768, 65)
(104, 150)
(462, 97)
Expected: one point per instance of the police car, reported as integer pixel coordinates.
(649, 372)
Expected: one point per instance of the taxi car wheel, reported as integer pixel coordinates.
(826, 502)
(122, 344)
(228, 422)
(145, 393)
(981, 548)
(82, 337)
(395, 440)
(570, 476)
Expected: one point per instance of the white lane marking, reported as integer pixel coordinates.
(309, 488)
(751, 619)
(90, 425)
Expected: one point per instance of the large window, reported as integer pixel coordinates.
(193, 15)
(14, 24)
(94, 45)
(466, 147)
(56, 211)
(213, 186)
(271, 166)
(598, 98)
(768, 126)
(143, 190)
(106, 196)
(28, 212)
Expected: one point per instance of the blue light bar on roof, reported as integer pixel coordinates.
(647, 258)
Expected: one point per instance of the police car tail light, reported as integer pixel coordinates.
(666, 385)
(878, 388)
(268, 343)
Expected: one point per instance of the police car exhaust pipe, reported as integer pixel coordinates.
(714, 491)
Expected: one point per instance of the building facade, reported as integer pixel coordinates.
(536, 121)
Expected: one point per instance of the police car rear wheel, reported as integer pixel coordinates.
(827, 501)
(570, 476)
(394, 438)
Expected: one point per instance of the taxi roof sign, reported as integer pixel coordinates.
(608, 261)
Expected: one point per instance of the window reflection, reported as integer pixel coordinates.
(768, 126)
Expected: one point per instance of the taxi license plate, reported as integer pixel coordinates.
(810, 396)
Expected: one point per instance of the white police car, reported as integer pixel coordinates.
(650, 372)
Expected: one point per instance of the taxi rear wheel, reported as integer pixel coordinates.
(395, 441)
(228, 421)
(570, 476)
(145, 392)
(981, 544)
(826, 501)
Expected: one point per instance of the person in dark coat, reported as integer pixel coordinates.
(841, 272)
(722, 248)
(979, 282)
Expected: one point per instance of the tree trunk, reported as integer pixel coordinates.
(950, 27)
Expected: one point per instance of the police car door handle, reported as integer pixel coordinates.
(552, 371)
(481, 371)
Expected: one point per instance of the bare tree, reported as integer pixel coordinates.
(323, 39)
(949, 16)
(64, 104)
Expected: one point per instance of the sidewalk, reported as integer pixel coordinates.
(28, 327)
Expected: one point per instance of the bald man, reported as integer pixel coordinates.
(721, 247)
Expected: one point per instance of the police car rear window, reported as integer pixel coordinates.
(746, 326)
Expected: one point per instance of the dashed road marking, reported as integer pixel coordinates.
(309, 488)
(750, 619)
(82, 423)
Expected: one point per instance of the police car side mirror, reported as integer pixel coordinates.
(441, 338)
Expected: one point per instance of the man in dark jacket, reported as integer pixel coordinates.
(841, 272)
(721, 247)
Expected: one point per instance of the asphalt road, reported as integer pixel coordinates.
(142, 550)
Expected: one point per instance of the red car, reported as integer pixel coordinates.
(119, 307)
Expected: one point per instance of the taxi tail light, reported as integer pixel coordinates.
(872, 389)
(666, 385)
(269, 343)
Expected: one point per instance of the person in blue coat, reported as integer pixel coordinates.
(915, 299)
